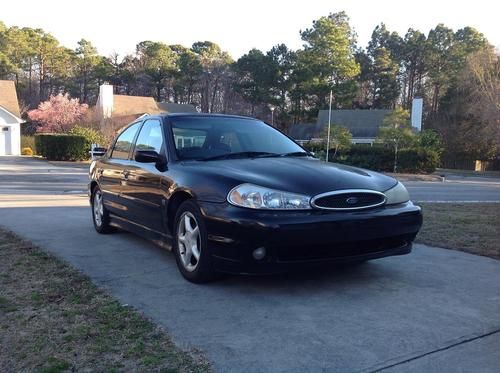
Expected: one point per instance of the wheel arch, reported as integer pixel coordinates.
(93, 185)
(175, 200)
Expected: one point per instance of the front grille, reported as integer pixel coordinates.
(339, 250)
(348, 200)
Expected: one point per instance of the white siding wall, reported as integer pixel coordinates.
(10, 144)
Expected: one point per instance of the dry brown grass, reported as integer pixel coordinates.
(470, 227)
(53, 319)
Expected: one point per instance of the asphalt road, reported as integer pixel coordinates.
(28, 174)
(32, 175)
(456, 189)
(433, 310)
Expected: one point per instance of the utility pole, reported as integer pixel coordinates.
(329, 125)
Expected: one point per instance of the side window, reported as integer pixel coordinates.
(150, 137)
(124, 142)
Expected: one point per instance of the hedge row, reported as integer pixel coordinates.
(371, 157)
(61, 147)
(381, 158)
(418, 160)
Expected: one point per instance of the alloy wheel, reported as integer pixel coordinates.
(98, 208)
(189, 241)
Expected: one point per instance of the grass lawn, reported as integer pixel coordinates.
(471, 227)
(53, 319)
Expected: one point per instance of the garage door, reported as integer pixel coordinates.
(5, 146)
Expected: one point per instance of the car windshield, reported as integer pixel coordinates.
(213, 138)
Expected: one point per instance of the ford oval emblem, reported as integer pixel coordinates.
(352, 200)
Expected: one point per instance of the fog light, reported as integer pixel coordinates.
(259, 253)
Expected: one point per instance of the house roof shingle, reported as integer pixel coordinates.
(126, 108)
(8, 97)
(124, 105)
(303, 131)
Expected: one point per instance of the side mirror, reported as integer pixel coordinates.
(147, 156)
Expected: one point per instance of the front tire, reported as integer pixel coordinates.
(191, 244)
(100, 215)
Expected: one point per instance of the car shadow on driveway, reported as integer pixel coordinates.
(310, 280)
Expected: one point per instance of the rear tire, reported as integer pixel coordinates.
(100, 215)
(191, 244)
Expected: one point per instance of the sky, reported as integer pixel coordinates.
(237, 26)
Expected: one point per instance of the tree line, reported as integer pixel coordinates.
(455, 72)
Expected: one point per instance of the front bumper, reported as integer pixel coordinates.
(294, 240)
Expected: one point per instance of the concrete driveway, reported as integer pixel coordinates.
(433, 310)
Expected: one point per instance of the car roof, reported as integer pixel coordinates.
(208, 115)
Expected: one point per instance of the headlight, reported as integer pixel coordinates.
(257, 197)
(397, 194)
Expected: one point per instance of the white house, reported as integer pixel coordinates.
(10, 119)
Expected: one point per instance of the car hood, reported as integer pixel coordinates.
(307, 176)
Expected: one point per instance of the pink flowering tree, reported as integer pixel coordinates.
(58, 114)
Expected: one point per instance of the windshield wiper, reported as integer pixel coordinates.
(296, 154)
(240, 155)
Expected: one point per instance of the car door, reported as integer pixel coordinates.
(113, 169)
(143, 180)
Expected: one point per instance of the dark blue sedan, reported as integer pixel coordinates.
(233, 194)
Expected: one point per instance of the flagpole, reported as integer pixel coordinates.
(329, 125)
